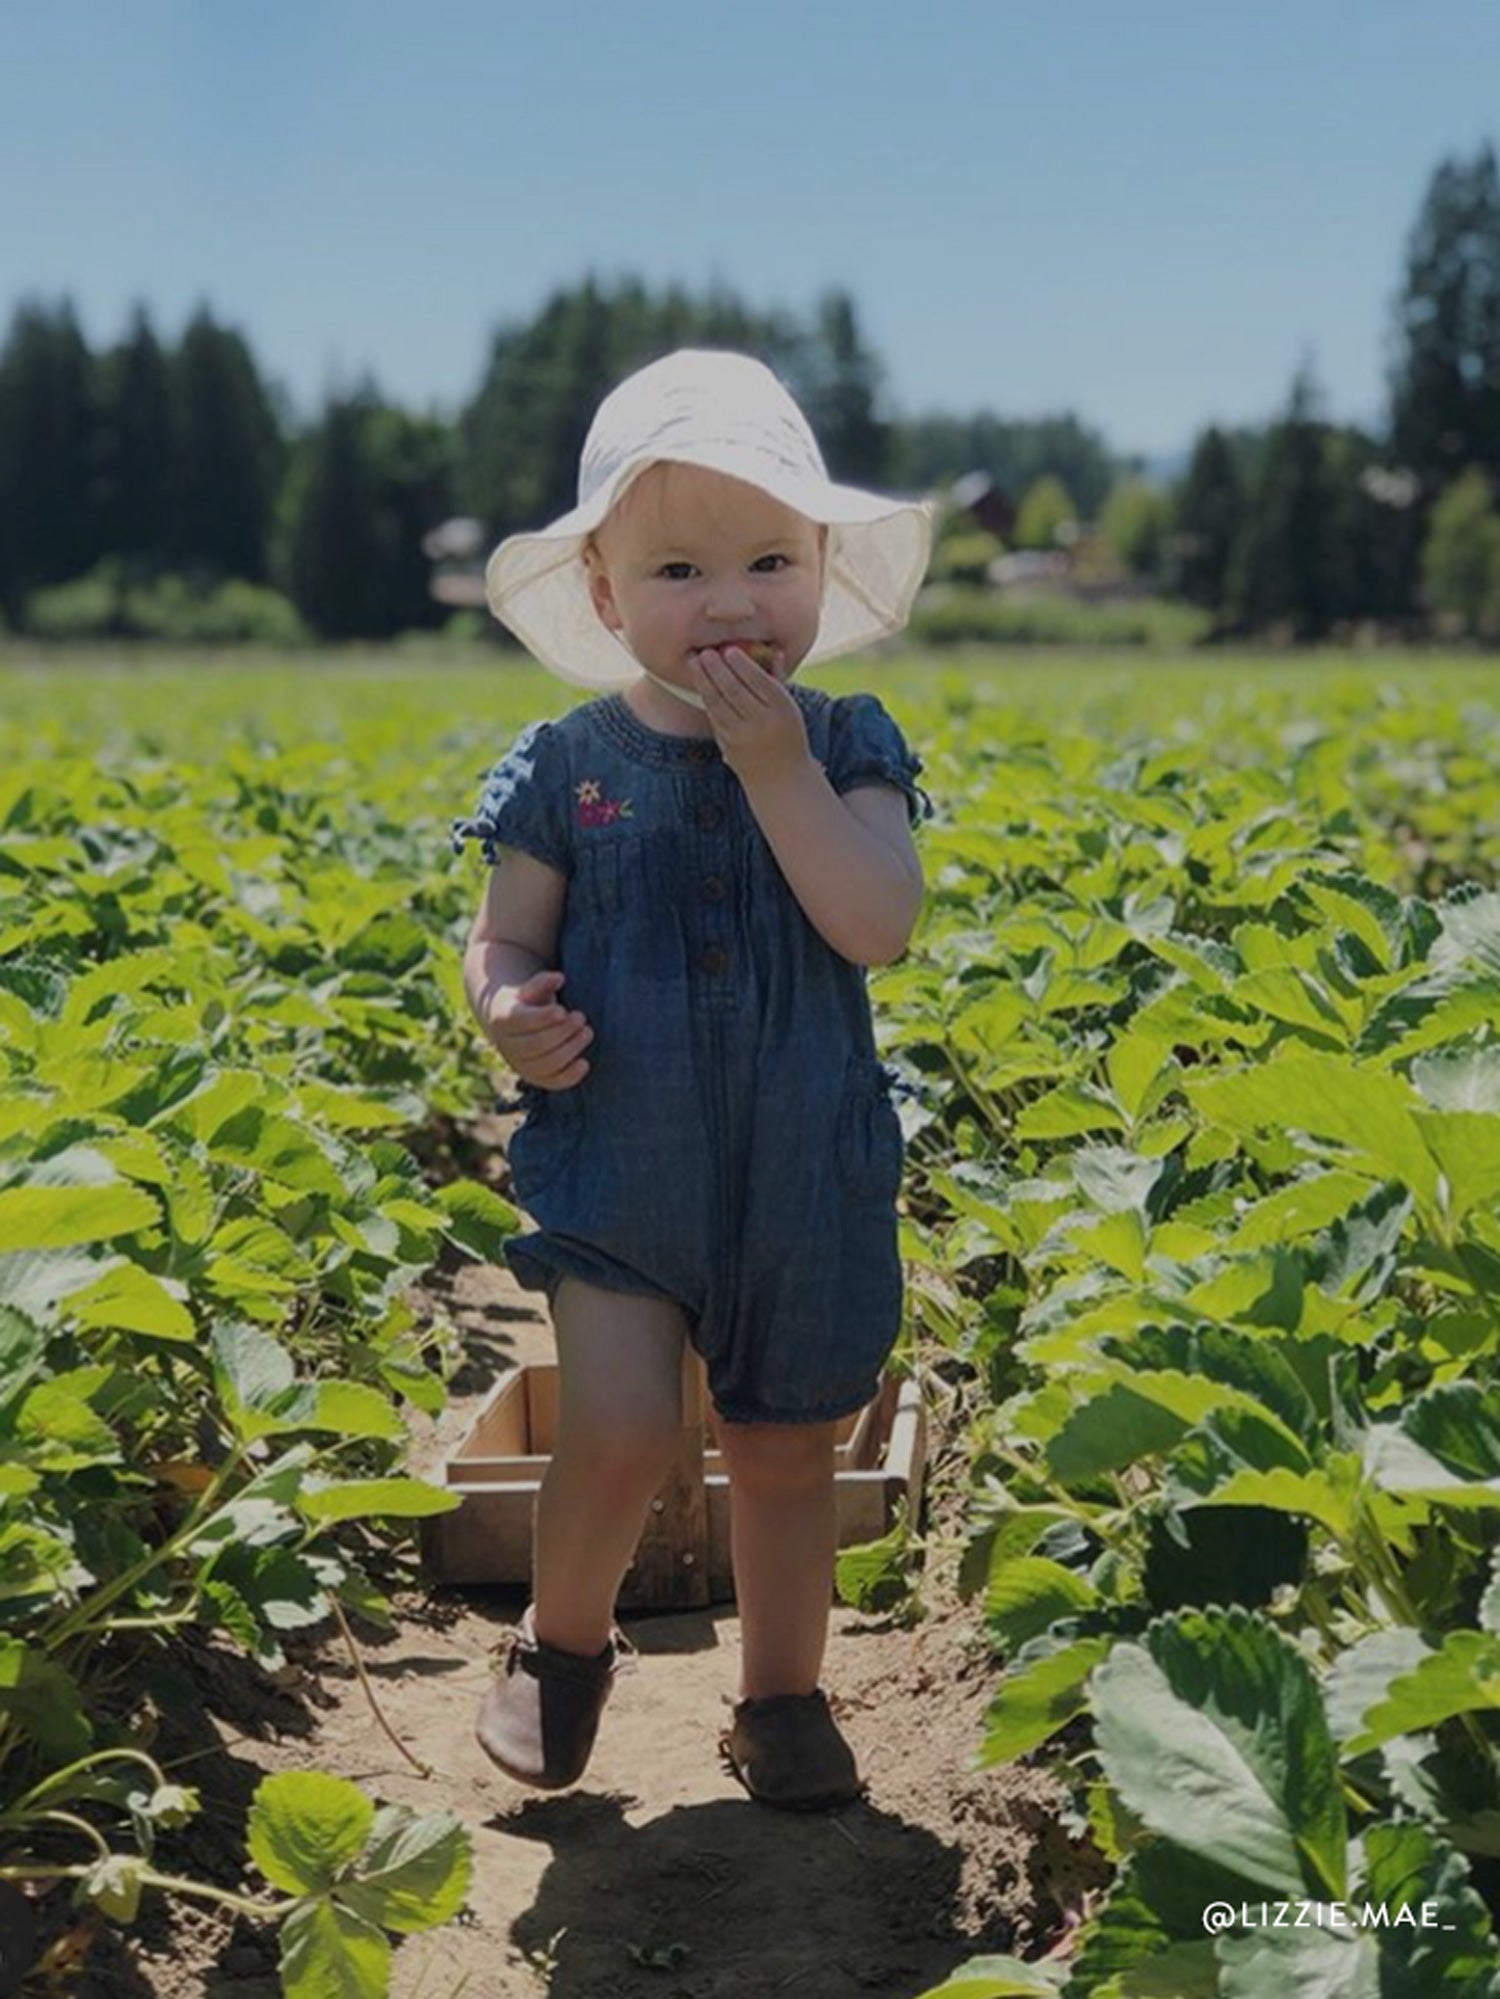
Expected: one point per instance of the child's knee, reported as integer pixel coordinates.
(622, 1453)
(771, 1457)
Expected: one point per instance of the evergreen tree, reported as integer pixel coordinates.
(229, 455)
(523, 434)
(836, 378)
(331, 544)
(1374, 531)
(1445, 389)
(367, 483)
(412, 461)
(524, 431)
(138, 448)
(1210, 518)
(50, 514)
(723, 320)
(1285, 572)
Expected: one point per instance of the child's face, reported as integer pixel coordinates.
(691, 559)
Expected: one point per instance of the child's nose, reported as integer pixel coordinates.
(730, 600)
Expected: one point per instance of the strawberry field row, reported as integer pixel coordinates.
(1202, 1231)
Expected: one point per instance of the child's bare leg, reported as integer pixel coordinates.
(620, 1357)
(783, 1535)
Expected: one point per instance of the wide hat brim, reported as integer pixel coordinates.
(878, 551)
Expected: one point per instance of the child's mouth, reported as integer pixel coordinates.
(764, 655)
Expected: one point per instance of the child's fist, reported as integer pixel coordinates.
(540, 1040)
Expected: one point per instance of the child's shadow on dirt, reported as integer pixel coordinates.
(733, 1900)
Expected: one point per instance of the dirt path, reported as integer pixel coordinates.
(656, 1876)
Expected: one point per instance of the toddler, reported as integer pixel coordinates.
(694, 870)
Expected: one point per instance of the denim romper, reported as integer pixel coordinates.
(734, 1146)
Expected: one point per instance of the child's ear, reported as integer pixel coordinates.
(600, 589)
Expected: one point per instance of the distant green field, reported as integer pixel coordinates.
(1200, 1034)
(184, 703)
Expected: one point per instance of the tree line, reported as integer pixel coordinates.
(1307, 527)
(148, 462)
(154, 487)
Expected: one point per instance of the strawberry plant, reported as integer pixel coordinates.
(1213, 1213)
(1202, 1226)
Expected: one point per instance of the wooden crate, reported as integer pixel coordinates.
(683, 1558)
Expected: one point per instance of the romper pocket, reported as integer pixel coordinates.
(597, 880)
(869, 1146)
(544, 1143)
(610, 876)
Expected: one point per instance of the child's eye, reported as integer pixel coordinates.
(678, 572)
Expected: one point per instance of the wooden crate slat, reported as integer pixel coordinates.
(906, 1451)
(477, 1473)
(487, 1539)
(543, 1393)
(867, 1429)
(860, 1500)
(502, 1428)
(671, 1564)
(880, 1456)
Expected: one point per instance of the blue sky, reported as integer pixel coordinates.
(1149, 214)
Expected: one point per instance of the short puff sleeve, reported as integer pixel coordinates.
(866, 747)
(523, 802)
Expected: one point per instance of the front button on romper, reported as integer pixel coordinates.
(734, 1146)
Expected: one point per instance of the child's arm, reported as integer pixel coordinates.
(514, 938)
(848, 860)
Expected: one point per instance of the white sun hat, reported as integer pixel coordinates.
(727, 413)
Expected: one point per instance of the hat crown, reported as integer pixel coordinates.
(698, 406)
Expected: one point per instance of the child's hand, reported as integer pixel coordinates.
(538, 1037)
(755, 720)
